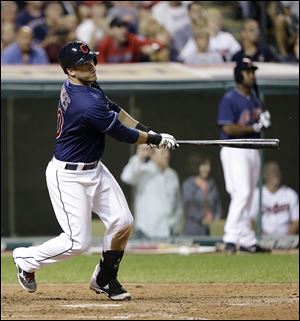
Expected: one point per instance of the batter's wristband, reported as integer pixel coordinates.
(142, 127)
(154, 139)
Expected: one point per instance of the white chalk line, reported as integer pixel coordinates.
(90, 305)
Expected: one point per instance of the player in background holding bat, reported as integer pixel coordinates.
(240, 116)
(77, 180)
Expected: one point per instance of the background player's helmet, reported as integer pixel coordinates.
(75, 53)
(244, 64)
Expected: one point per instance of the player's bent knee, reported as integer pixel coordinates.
(120, 238)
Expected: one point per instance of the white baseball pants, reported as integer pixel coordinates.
(74, 195)
(241, 169)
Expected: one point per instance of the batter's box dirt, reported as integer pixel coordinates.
(154, 302)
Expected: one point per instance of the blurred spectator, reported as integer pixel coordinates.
(171, 14)
(121, 46)
(83, 11)
(54, 30)
(8, 12)
(157, 203)
(44, 29)
(220, 41)
(93, 29)
(151, 29)
(198, 19)
(126, 11)
(64, 33)
(200, 197)
(251, 47)
(202, 54)
(31, 11)
(265, 13)
(8, 34)
(280, 204)
(24, 51)
(287, 27)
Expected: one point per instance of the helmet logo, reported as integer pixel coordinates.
(84, 48)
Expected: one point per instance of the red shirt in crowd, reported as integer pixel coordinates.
(130, 51)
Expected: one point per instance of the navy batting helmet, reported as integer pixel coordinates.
(244, 64)
(75, 53)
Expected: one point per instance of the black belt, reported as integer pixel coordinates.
(73, 167)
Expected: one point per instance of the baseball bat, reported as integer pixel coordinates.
(251, 143)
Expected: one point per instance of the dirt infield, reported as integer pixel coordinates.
(154, 301)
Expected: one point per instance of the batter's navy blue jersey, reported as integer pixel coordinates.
(235, 108)
(85, 115)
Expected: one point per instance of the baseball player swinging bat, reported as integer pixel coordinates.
(258, 143)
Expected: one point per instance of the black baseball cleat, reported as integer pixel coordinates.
(113, 289)
(26, 280)
(230, 248)
(254, 249)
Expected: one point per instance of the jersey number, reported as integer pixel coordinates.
(60, 123)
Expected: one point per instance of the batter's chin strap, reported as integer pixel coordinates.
(109, 266)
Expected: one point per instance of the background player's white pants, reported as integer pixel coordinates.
(241, 169)
(74, 195)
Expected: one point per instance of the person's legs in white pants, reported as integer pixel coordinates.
(72, 206)
(237, 166)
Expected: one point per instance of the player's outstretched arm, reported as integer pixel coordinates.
(134, 136)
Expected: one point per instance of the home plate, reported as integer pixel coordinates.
(90, 305)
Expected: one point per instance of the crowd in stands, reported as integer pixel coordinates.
(190, 32)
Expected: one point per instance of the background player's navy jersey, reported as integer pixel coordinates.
(85, 114)
(235, 108)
